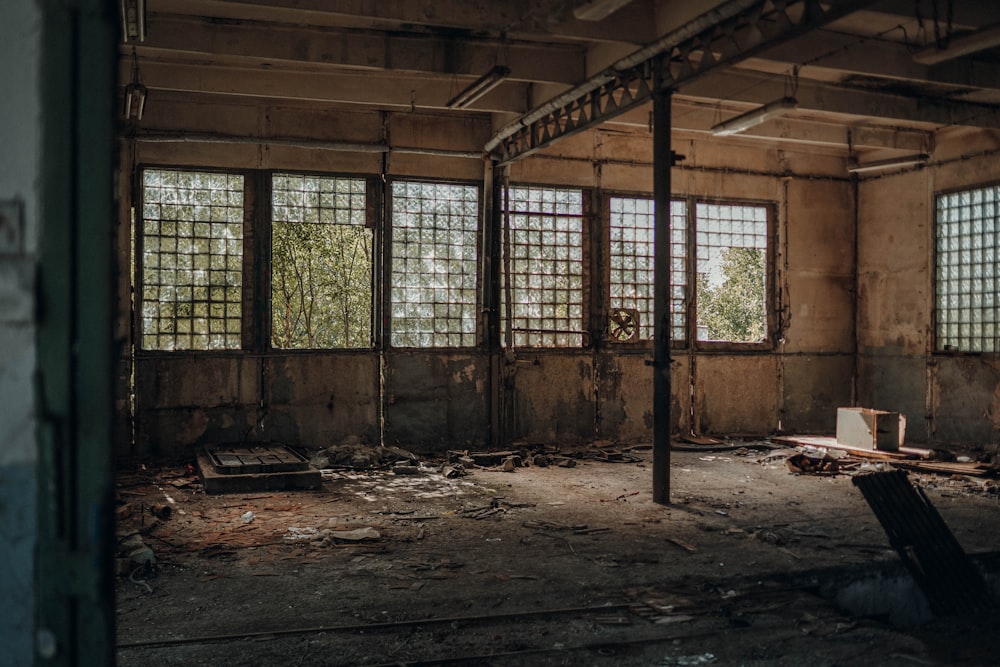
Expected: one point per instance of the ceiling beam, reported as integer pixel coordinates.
(517, 18)
(734, 31)
(689, 116)
(964, 12)
(388, 91)
(834, 54)
(697, 117)
(255, 43)
(758, 89)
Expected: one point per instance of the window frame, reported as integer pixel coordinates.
(390, 257)
(937, 340)
(588, 276)
(138, 239)
(265, 228)
(691, 341)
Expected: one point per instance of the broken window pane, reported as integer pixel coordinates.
(191, 268)
(321, 263)
(434, 240)
(544, 261)
(966, 279)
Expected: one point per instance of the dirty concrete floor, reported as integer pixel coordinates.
(542, 566)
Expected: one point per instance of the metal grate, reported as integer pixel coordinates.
(940, 566)
(247, 459)
(968, 231)
(544, 246)
(321, 263)
(434, 239)
(192, 260)
(731, 246)
(631, 285)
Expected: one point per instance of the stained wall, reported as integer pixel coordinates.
(437, 399)
(947, 397)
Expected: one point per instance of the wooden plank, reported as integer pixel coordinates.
(950, 468)
(831, 443)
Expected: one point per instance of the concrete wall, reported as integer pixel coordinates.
(797, 385)
(948, 398)
(439, 399)
(19, 228)
(436, 400)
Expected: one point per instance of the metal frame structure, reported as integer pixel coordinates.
(728, 34)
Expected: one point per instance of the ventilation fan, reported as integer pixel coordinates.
(623, 325)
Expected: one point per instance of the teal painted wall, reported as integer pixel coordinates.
(20, 42)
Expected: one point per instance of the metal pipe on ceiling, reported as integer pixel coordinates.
(311, 144)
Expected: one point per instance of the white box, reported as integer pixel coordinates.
(865, 428)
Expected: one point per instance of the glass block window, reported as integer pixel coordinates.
(731, 272)
(544, 245)
(321, 263)
(191, 264)
(967, 278)
(433, 278)
(632, 249)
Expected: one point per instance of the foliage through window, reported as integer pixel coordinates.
(731, 281)
(434, 234)
(631, 262)
(967, 313)
(730, 273)
(544, 256)
(191, 264)
(321, 263)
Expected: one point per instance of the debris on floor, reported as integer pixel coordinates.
(585, 553)
(355, 455)
(813, 462)
(949, 579)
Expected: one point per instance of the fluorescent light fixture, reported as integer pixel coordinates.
(754, 117)
(133, 15)
(135, 100)
(597, 10)
(957, 47)
(479, 87)
(894, 162)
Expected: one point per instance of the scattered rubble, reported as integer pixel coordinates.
(354, 455)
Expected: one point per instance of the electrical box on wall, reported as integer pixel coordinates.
(865, 428)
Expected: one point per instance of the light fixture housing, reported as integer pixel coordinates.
(754, 117)
(133, 15)
(135, 100)
(890, 163)
(479, 87)
(983, 39)
(597, 10)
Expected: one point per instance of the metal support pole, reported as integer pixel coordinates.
(74, 580)
(662, 161)
(490, 282)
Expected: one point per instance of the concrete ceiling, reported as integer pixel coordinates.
(871, 78)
